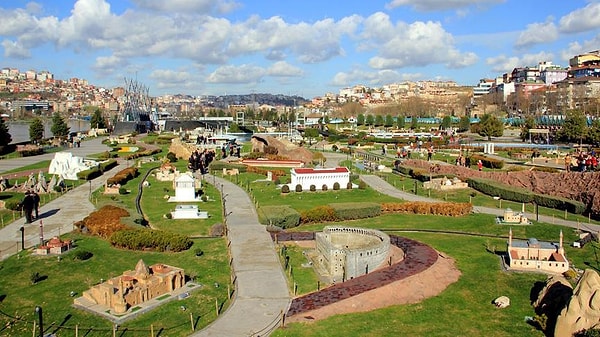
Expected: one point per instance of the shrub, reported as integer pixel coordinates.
(349, 185)
(503, 191)
(428, 208)
(324, 187)
(103, 222)
(318, 214)
(122, 190)
(82, 255)
(149, 239)
(570, 274)
(13, 205)
(171, 157)
(123, 176)
(107, 165)
(285, 189)
(313, 188)
(89, 174)
(298, 188)
(218, 165)
(168, 216)
(281, 216)
(198, 252)
(487, 162)
(217, 230)
(356, 210)
(362, 185)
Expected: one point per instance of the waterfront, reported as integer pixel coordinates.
(20, 130)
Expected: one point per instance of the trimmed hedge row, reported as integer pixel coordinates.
(318, 214)
(96, 171)
(142, 154)
(356, 210)
(429, 208)
(508, 192)
(217, 165)
(263, 171)
(487, 162)
(123, 176)
(107, 165)
(144, 239)
(281, 216)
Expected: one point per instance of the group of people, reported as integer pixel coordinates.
(31, 204)
(231, 148)
(581, 161)
(201, 160)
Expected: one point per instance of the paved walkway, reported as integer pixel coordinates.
(382, 186)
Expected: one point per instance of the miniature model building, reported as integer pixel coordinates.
(188, 212)
(185, 189)
(54, 246)
(134, 287)
(534, 255)
(319, 177)
(512, 217)
(346, 252)
(445, 184)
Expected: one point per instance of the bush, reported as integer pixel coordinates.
(123, 190)
(82, 255)
(218, 165)
(281, 216)
(487, 162)
(107, 165)
(149, 239)
(198, 252)
(362, 185)
(324, 187)
(336, 186)
(428, 208)
(172, 157)
(285, 189)
(318, 214)
(356, 210)
(298, 188)
(349, 185)
(89, 174)
(123, 176)
(13, 205)
(313, 188)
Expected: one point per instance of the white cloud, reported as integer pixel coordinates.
(416, 44)
(165, 78)
(236, 74)
(576, 48)
(284, 69)
(503, 64)
(108, 64)
(374, 78)
(188, 6)
(580, 20)
(15, 49)
(537, 33)
(437, 5)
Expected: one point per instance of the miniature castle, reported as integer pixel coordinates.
(534, 255)
(134, 287)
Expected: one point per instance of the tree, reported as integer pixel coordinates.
(370, 120)
(5, 137)
(490, 126)
(529, 124)
(379, 120)
(59, 127)
(446, 122)
(574, 127)
(594, 132)
(464, 124)
(389, 121)
(36, 130)
(414, 123)
(97, 120)
(326, 119)
(360, 119)
(311, 133)
(400, 121)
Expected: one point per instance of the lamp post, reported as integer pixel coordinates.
(22, 229)
(38, 310)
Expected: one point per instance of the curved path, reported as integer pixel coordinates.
(262, 295)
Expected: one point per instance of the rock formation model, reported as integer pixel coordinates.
(282, 148)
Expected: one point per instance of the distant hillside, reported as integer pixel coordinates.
(259, 99)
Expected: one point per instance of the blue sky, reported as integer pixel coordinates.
(305, 48)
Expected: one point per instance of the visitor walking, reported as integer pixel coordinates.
(28, 204)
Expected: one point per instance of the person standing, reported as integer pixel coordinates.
(479, 165)
(36, 204)
(28, 204)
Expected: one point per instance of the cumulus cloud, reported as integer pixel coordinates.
(15, 49)
(166, 78)
(580, 20)
(437, 5)
(416, 44)
(187, 6)
(108, 64)
(537, 33)
(230, 74)
(284, 69)
(374, 78)
(503, 63)
(576, 48)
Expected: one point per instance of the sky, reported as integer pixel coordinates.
(306, 48)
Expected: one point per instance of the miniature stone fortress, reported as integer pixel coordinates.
(134, 287)
(345, 253)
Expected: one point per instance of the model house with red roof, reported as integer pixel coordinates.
(534, 255)
(320, 178)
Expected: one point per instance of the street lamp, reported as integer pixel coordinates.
(38, 310)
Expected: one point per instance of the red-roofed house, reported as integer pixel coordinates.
(321, 178)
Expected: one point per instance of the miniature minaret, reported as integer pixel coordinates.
(510, 238)
(561, 250)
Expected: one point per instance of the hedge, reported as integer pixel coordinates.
(508, 192)
(487, 162)
(318, 214)
(89, 174)
(281, 216)
(107, 165)
(123, 176)
(429, 208)
(356, 210)
(220, 165)
(144, 239)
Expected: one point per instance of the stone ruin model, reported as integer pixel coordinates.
(66, 166)
(534, 255)
(344, 253)
(134, 287)
(445, 184)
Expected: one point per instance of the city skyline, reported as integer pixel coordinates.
(217, 47)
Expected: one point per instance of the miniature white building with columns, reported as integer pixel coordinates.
(319, 177)
(534, 255)
(185, 189)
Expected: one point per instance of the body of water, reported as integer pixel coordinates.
(20, 130)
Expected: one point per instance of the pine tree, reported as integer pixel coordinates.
(5, 137)
(36, 130)
(97, 121)
(59, 127)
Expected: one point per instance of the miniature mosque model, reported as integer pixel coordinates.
(134, 287)
(534, 255)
